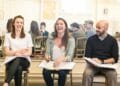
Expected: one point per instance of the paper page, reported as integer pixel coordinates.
(9, 58)
(64, 65)
(111, 66)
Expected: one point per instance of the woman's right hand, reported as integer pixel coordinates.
(47, 58)
(20, 52)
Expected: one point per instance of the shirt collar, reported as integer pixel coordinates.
(103, 36)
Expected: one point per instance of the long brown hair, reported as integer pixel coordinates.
(13, 35)
(66, 34)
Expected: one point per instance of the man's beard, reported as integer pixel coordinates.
(100, 33)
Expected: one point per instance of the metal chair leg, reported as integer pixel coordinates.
(25, 74)
(71, 78)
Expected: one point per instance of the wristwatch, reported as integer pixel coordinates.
(102, 61)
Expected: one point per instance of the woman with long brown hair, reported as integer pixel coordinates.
(17, 44)
(60, 48)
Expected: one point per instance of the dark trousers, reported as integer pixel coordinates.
(61, 77)
(14, 70)
(90, 71)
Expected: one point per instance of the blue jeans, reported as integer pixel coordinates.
(49, 80)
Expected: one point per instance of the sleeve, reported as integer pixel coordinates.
(48, 44)
(7, 41)
(115, 50)
(88, 49)
(29, 40)
(70, 49)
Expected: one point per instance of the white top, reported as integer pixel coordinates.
(58, 52)
(18, 43)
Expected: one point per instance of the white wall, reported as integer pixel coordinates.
(87, 9)
(29, 9)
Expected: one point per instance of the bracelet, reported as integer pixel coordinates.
(102, 61)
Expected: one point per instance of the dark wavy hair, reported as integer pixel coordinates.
(34, 28)
(66, 34)
(9, 25)
(13, 35)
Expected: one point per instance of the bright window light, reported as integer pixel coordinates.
(75, 6)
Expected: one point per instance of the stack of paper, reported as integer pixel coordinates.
(110, 66)
(8, 60)
(50, 65)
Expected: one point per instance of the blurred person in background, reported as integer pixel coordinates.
(77, 31)
(9, 25)
(90, 31)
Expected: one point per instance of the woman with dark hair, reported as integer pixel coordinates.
(34, 29)
(17, 44)
(60, 48)
(9, 25)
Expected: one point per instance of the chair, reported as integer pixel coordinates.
(100, 79)
(39, 46)
(1, 46)
(80, 46)
(25, 76)
(70, 74)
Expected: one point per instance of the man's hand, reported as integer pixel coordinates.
(97, 60)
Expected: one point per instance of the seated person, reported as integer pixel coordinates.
(60, 48)
(43, 31)
(44, 34)
(103, 49)
(18, 44)
(90, 31)
(77, 32)
(9, 25)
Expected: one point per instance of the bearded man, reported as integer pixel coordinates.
(103, 49)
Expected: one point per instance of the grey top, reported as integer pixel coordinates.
(69, 52)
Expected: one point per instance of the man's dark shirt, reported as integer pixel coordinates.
(102, 49)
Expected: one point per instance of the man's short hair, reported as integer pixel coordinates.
(89, 22)
(43, 23)
(76, 25)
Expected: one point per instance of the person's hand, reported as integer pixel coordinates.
(58, 61)
(47, 58)
(97, 60)
(18, 54)
(21, 52)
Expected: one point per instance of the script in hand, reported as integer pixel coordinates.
(50, 65)
(110, 66)
(8, 59)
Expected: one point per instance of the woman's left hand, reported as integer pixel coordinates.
(58, 61)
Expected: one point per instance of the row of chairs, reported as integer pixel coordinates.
(100, 79)
(40, 46)
(1, 46)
